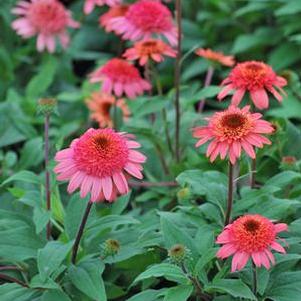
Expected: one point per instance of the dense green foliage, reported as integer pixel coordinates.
(150, 220)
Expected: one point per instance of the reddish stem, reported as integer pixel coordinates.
(47, 174)
(177, 79)
(207, 83)
(230, 194)
(152, 184)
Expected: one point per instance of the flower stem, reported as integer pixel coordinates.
(80, 232)
(253, 174)
(207, 83)
(230, 194)
(47, 174)
(177, 79)
(254, 269)
(12, 279)
(196, 284)
(164, 113)
(115, 115)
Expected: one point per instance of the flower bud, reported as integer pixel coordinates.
(183, 194)
(289, 163)
(110, 248)
(178, 254)
(46, 105)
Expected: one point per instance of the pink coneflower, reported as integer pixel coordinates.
(232, 131)
(216, 57)
(120, 77)
(143, 20)
(114, 12)
(47, 19)
(255, 77)
(100, 162)
(149, 49)
(90, 4)
(250, 236)
(100, 105)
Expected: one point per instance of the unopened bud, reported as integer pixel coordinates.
(183, 194)
(111, 247)
(178, 254)
(46, 105)
(289, 163)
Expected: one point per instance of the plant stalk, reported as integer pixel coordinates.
(80, 232)
(254, 270)
(230, 194)
(207, 83)
(47, 173)
(177, 79)
(253, 174)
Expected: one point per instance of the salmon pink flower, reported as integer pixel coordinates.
(100, 162)
(250, 236)
(100, 105)
(143, 20)
(120, 77)
(47, 19)
(90, 4)
(114, 12)
(216, 57)
(232, 131)
(149, 49)
(255, 77)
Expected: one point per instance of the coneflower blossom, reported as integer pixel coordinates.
(250, 236)
(255, 77)
(144, 20)
(100, 105)
(118, 77)
(100, 162)
(149, 49)
(232, 131)
(216, 57)
(114, 12)
(90, 4)
(46, 19)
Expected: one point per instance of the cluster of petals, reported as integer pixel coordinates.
(100, 162)
(250, 236)
(120, 77)
(255, 77)
(216, 57)
(145, 19)
(232, 131)
(46, 19)
(100, 105)
(114, 12)
(149, 50)
(90, 4)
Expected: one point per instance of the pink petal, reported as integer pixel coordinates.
(107, 187)
(277, 247)
(260, 98)
(121, 183)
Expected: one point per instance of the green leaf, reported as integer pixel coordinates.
(234, 287)
(147, 295)
(284, 178)
(51, 256)
(285, 287)
(32, 153)
(166, 270)
(174, 234)
(15, 292)
(40, 218)
(24, 176)
(18, 238)
(74, 213)
(87, 278)
(179, 293)
(40, 83)
(55, 295)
